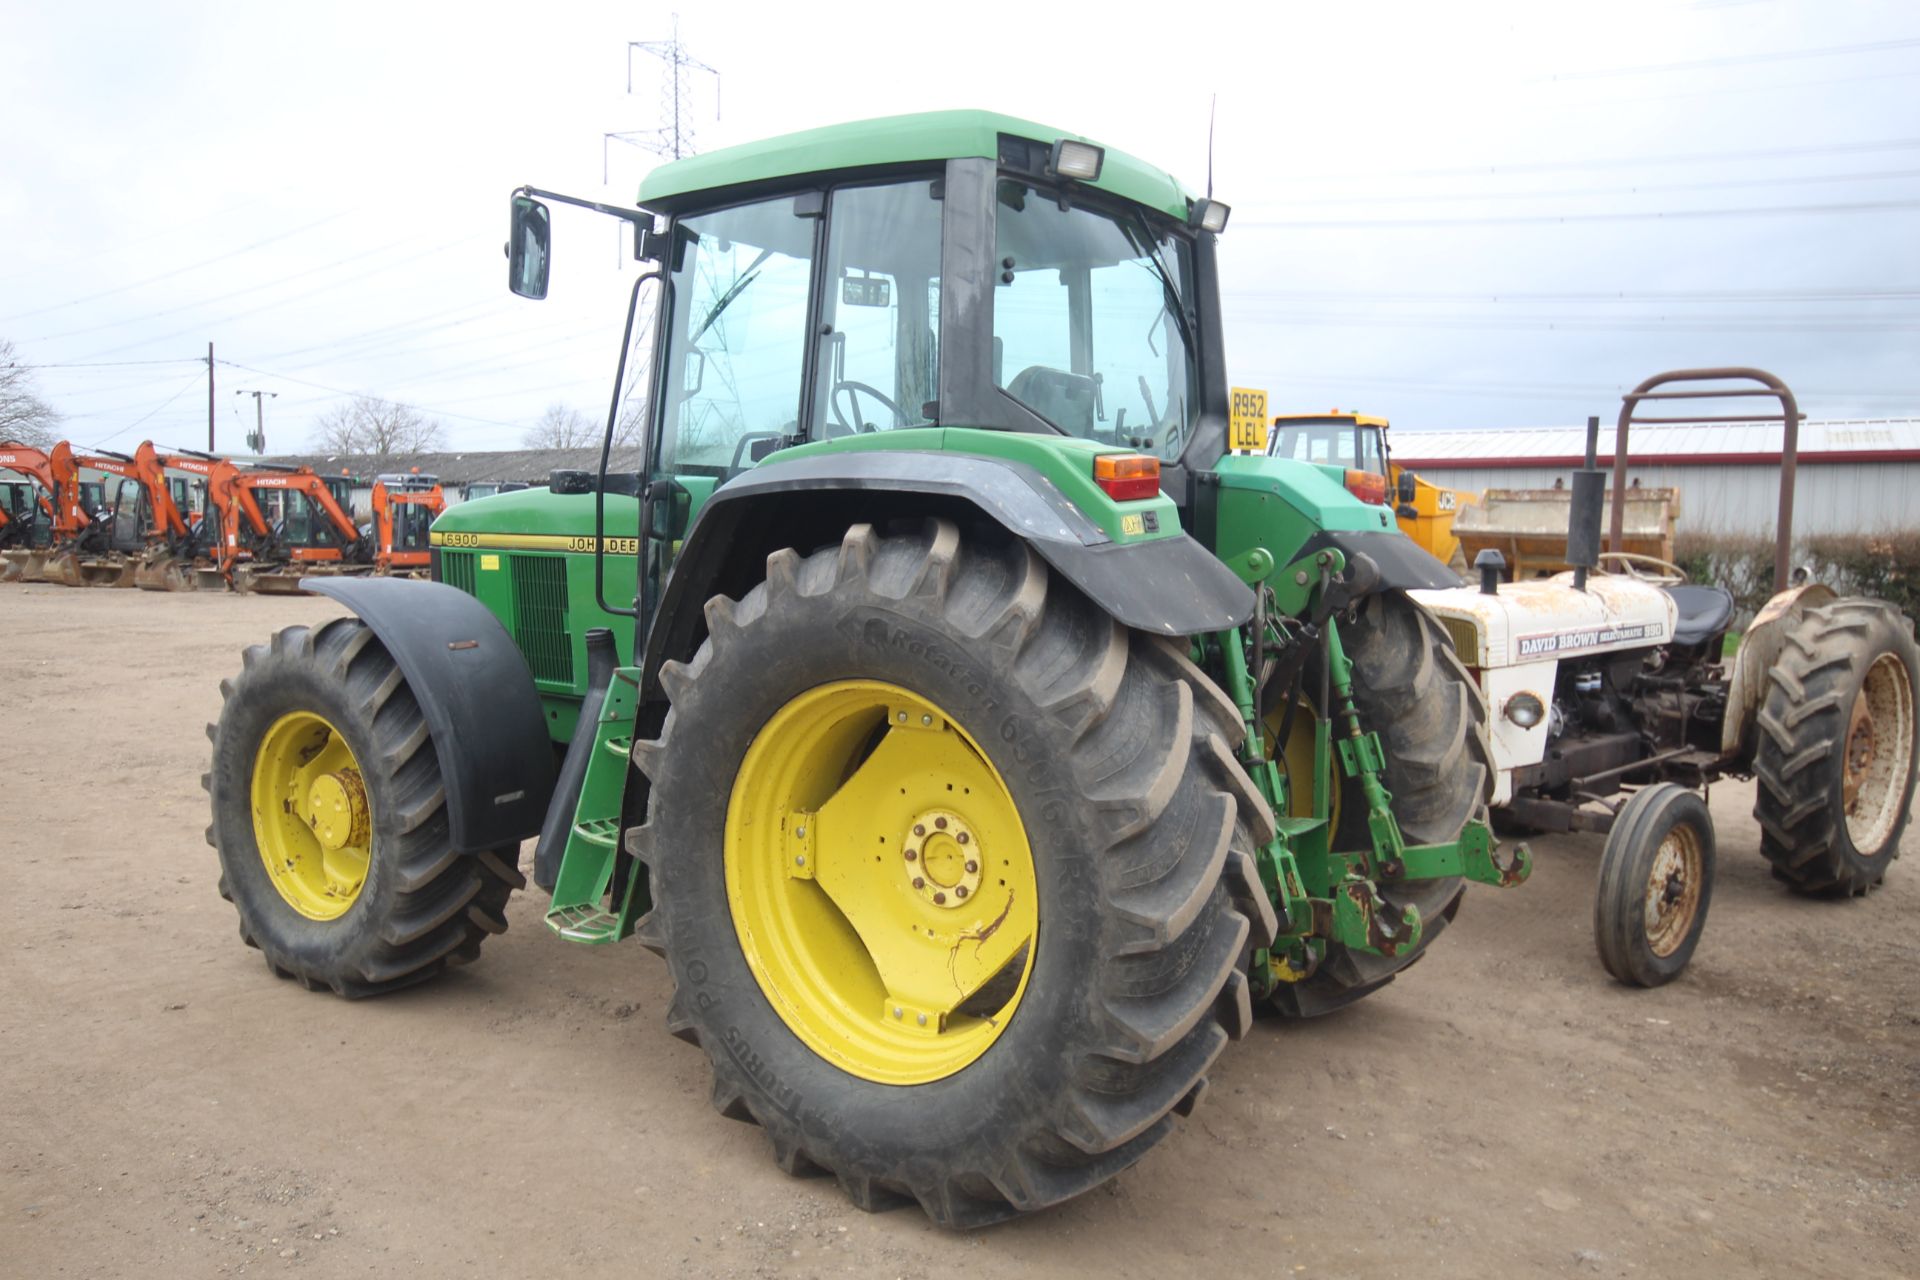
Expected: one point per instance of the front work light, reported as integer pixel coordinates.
(1081, 160)
(1127, 477)
(1209, 215)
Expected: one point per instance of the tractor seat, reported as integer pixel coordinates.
(1704, 612)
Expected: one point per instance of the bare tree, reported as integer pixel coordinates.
(24, 416)
(562, 427)
(370, 427)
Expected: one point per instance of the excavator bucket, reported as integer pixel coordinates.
(247, 580)
(1529, 527)
(165, 573)
(21, 566)
(209, 578)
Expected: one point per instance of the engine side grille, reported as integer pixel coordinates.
(540, 616)
(456, 570)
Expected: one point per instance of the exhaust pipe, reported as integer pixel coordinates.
(1586, 512)
(602, 658)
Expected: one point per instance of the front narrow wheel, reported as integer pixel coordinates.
(952, 871)
(329, 815)
(1656, 882)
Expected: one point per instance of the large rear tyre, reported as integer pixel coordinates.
(1656, 882)
(1410, 688)
(952, 872)
(330, 819)
(1837, 747)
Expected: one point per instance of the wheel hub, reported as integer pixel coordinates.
(1673, 891)
(942, 858)
(1879, 750)
(880, 882)
(337, 810)
(312, 820)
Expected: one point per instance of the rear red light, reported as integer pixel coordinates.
(1368, 486)
(1127, 477)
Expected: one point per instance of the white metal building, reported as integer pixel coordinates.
(1855, 475)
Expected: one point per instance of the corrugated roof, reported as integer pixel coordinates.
(1839, 439)
(468, 465)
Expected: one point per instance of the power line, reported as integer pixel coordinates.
(1625, 162)
(1521, 219)
(1725, 184)
(1736, 60)
(342, 391)
(177, 271)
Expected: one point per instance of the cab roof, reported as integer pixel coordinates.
(891, 140)
(1303, 419)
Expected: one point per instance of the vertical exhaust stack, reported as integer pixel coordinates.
(1589, 505)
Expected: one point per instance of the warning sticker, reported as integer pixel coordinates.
(1540, 646)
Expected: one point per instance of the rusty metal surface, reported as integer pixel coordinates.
(1529, 526)
(1768, 387)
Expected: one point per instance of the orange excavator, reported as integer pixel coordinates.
(404, 509)
(300, 526)
(52, 490)
(141, 538)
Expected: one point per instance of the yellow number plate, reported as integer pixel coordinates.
(1248, 426)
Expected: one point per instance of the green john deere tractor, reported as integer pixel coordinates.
(979, 739)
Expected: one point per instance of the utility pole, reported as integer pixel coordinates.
(257, 439)
(210, 448)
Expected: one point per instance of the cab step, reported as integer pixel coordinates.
(596, 900)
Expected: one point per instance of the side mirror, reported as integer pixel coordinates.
(527, 248)
(1407, 490)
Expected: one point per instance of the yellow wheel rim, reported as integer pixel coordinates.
(311, 818)
(880, 882)
(1296, 762)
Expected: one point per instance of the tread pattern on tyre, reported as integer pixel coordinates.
(1411, 689)
(1802, 731)
(1155, 742)
(448, 903)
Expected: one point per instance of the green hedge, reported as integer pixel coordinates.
(1884, 565)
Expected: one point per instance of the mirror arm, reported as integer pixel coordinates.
(647, 247)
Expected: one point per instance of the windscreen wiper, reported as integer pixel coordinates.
(747, 277)
(1175, 305)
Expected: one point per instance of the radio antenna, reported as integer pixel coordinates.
(1212, 104)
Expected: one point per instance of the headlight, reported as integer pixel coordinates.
(1525, 710)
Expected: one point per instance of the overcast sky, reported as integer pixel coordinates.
(1475, 213)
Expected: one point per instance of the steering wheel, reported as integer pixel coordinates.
(1668, 574)
(854, 391)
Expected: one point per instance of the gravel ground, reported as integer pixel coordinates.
(170, 1109)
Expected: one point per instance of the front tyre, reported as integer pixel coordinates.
(949, 869)
(329, 816)
(1656, 882)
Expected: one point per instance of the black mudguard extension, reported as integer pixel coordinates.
(482, 710)
(1168, 586)
(1403, 563)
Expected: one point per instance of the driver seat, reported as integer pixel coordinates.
(1062, 398)
(1704, 612)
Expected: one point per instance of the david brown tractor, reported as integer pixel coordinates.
(1615, 707)
(976, 736)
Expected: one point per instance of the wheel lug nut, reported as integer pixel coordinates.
(919, 828)
(972, 866)
(963, 837)
(939, 899)
(940, 823)
(960, 892)
(918, 883)
(923, 1019)
(912, 854)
